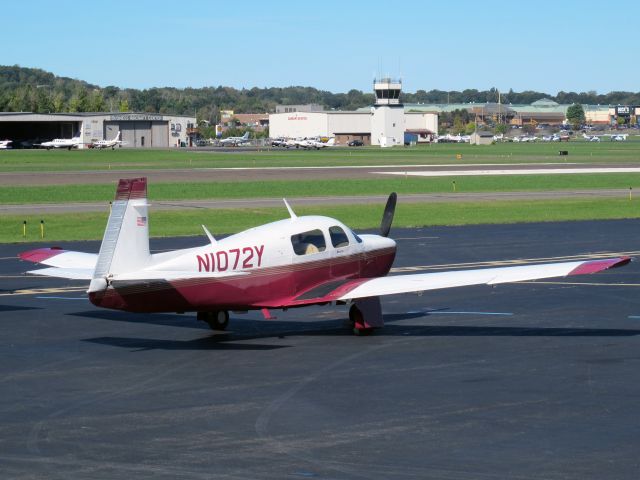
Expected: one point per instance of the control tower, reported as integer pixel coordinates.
(387, 125)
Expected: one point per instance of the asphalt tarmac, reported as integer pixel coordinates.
(524, 381)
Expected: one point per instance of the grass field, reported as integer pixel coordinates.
(187, 222)
(322, 188)
(126, 159)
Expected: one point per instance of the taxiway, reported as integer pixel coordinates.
(526, 381)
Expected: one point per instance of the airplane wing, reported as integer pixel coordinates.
(392, 285)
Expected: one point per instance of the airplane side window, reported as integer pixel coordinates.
(309, 242)
(338, 237)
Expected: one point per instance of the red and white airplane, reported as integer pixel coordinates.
(299, 261)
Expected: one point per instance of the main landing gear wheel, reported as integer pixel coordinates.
(357, 322)
(217, 320)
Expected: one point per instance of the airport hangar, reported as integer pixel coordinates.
(385, 123)
(139, 130)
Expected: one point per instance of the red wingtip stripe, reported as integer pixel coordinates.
(599, 265)
(129, 188)
(39, 255)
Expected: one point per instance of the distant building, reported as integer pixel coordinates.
(543, 111)
(481, 138)
(138, 130)
(384, 123)
(312, 107)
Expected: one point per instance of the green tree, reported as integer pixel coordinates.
(470, 128)
(529, 128)
(458, 125)
(124, 105)
(500, 128)
(575, 115)
(96, 101)
(58, 102)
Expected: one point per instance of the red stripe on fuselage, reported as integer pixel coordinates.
(267, 287)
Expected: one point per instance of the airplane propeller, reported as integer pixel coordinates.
(387, 216)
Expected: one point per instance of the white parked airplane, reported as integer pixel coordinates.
(234, 141)
(68, 143)
(108, 143)
(299, 261)
(314, 143)
(4, 144)
(591, 138)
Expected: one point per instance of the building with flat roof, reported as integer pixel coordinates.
(138, 130)
(384, 123)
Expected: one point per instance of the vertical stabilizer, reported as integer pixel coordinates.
(125, 245)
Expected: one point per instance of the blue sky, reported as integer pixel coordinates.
(332, 45)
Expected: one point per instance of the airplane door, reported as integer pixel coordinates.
(345, 261)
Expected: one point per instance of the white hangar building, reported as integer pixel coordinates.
(138, 130)
(384, 124)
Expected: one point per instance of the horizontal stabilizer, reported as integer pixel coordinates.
(57, 257)
(70, 273)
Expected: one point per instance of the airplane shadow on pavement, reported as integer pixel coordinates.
(250, 329)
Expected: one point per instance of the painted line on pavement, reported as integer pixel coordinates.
(533, 171)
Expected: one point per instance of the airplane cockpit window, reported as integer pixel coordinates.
(338, 237)
(309, 242)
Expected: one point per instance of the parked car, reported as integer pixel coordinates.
(356, 143)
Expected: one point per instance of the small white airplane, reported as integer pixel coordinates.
(314, 143)
(68, 143)
(108, 143)
(4, 144)
(235, 141)
(591, 138)
(295, 262)
(620, 137)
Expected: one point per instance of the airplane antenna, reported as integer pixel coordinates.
(208, 233)
(291, 212)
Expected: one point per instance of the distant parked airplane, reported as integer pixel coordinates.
(68, 143)
(235, 141)
(4, 144)
(108, 143)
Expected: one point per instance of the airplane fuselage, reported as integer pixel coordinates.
(266, 267)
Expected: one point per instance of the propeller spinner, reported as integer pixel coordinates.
(387, 216)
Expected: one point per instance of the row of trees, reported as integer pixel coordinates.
(34, 90)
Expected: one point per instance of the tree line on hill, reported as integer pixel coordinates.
(35, 90)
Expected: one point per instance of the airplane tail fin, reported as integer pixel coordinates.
(117, 139)
(125, 245)
(245, 136)
(331, 142)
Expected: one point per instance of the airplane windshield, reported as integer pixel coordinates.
(309, 242)
(338, 237)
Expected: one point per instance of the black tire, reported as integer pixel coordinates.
(218, 320)
(355, 318)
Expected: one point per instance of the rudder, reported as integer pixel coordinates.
(125, 245)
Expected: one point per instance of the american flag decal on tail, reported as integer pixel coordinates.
(141, 221)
